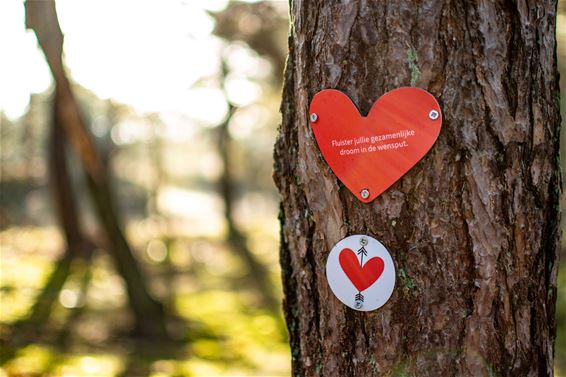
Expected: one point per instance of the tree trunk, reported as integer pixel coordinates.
(78, 244)
(41, 16)
(472, 228)
(258, 274)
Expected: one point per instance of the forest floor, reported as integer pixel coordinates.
(219, 324)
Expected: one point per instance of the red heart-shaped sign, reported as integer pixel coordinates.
(368, 154)
(361, 276)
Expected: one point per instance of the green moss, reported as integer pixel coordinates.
(411, 61)
(406, 280)
(373, 363)
(401, 372)
(492, 372)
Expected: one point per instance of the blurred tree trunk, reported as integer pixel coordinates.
(258, 273)
(62, 191)
(78, 245)
(149, 315)
(472, 228)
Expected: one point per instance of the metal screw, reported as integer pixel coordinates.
(314, 117)
(363, 241)
(358, 304)
(364, 193)
(433, 114)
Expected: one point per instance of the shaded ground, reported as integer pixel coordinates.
(220, 328)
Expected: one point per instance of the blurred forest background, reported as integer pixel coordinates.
(181, 99)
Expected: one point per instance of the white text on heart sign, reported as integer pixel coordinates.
(403, 134)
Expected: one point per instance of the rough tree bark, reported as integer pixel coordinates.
(41, 16)
(472, 228)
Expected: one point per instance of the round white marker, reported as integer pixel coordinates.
(360, 272)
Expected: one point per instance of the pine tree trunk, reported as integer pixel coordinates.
(78, 244)
(473, 228)
(149, 315)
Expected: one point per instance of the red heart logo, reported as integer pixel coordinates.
(361, 276)
(373, 152)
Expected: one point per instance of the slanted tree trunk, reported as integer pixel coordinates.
(472, 228)
(78, 245)
(149, 315)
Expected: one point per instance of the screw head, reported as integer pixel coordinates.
(314, 117)
(433, 114)
(358, 304)
(364, 193)
(363, 241)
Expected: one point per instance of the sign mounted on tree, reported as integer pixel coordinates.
(368, 154)
(360, 272)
